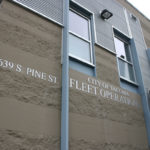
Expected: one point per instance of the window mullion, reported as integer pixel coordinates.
(125, 61)
(79, 36)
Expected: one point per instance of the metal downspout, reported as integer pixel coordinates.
(141, 90)
(65, 81)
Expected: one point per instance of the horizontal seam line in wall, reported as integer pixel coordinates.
(111, 52)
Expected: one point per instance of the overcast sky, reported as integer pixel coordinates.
(142, 5)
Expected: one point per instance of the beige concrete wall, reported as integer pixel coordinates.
(29, 101)
(99, 122)
(106, 66)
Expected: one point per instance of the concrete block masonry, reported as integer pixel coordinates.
(27, 70)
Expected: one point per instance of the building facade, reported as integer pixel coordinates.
(72, 79)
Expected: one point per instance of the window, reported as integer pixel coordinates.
(81, 40)
(125, 63)
(80, 46)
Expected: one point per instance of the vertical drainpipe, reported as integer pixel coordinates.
(139, 78)
(141, 89)
(65, 80)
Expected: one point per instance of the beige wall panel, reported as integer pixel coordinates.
(27, 126)
(30, 75)
(93, 133)
(34, 44)
(28, 60)
(17, 140)
(29, 90)
(29, 118)
(87, 128)
(88, 105)
(97, 122)
(125, 134)
(29, 32)
(106, 66)
(96, 105)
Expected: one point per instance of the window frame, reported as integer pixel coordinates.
(128, 43)
(123, 38)
(91, 62)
